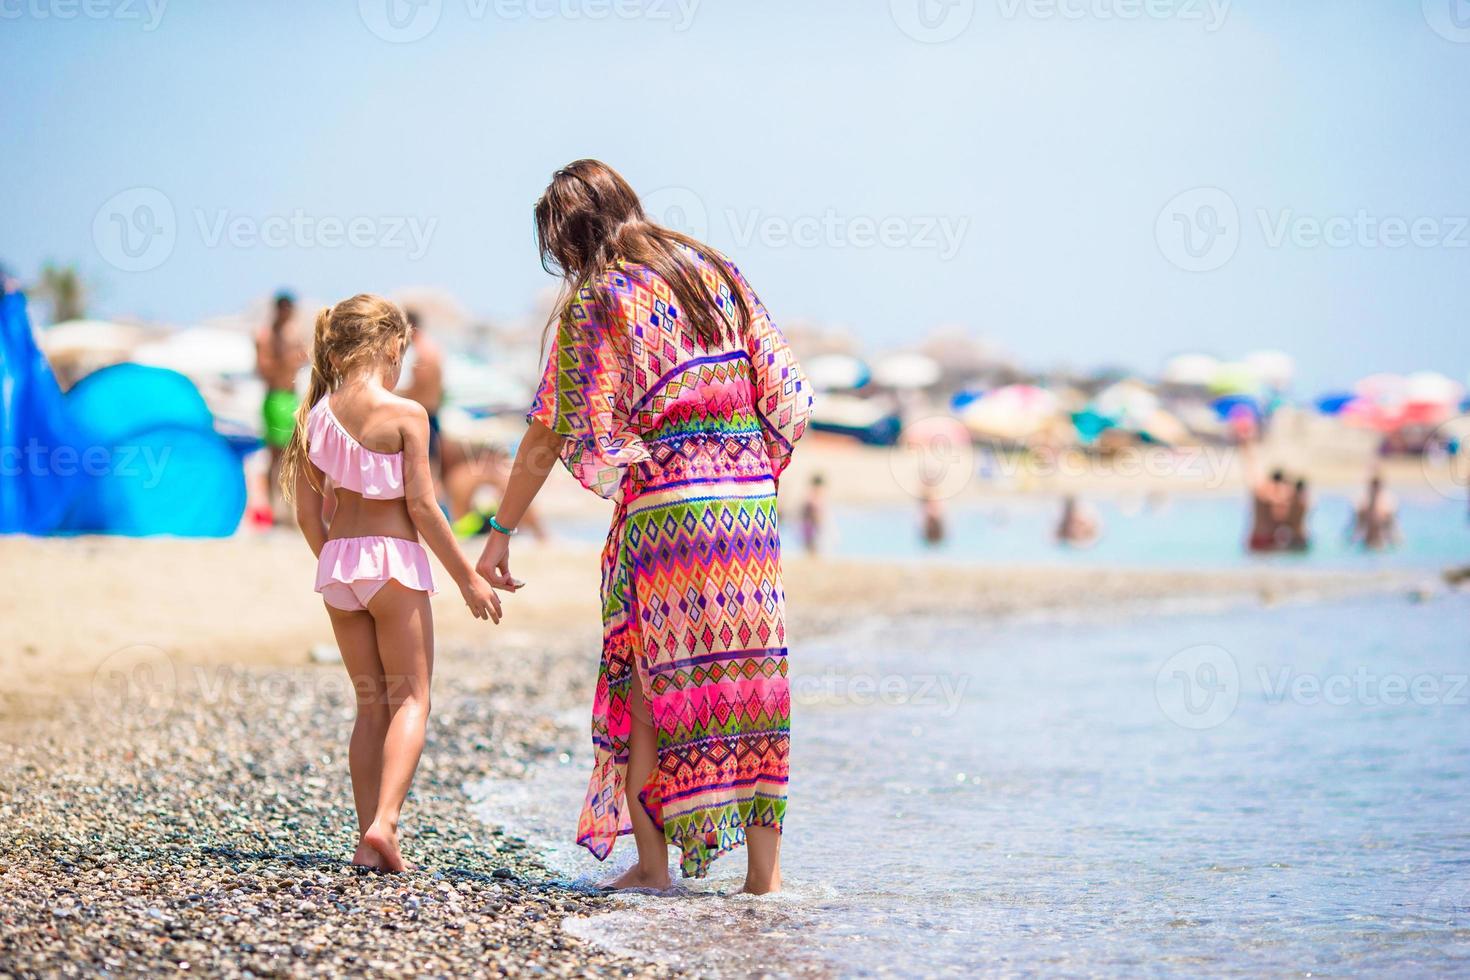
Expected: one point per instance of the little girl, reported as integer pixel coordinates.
(372, 572)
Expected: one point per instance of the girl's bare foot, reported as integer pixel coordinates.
(367, 857)
(636, 877)
(385, 842)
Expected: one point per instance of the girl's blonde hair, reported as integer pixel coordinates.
(357, 332)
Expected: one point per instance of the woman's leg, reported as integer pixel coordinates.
(357, 640)
(405, 630)
(762, 860)
(652, 869)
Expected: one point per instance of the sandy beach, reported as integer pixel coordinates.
(173, 778)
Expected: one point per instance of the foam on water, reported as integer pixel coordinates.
(1051, 809)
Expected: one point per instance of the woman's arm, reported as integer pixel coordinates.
(428, 519)
(539, 451)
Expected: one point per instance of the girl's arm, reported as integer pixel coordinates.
(309, 508)
(429, 521)
(539, 450)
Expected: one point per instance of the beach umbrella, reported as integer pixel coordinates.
(906, 372)
(1164, 427)
(1233, 407)
(1129, 404)
(1273, 368)
(1334, 403)
(1014, 412)
(1432, 388)
(836, 372)
(1383, 388)
(1234, 379)
(868, 420)
(96, 337)
(201, 353)
(1193, 370)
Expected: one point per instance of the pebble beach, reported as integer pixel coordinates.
(180, 804)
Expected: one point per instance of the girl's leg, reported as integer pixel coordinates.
(405, 630)
(357, 640)
(652, 869)
(762, 860)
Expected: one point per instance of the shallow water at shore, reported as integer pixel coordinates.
(1260, 791)
(1182, 531)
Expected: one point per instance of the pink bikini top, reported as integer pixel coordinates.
(352, 466)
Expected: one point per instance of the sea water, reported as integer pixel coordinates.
(1243, 792)
(1180, 531)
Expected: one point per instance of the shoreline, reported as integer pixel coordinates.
(175, 791)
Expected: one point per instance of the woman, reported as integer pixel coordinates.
(669, 390)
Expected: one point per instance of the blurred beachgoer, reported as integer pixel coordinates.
(1080, 525)
(1293, 534)
(372, 571)
(814, 516)
(1270, 502)
(932, 525)
(467, 474)
(280, 355)
(425, 381)
(1376, 523)
(687, 430)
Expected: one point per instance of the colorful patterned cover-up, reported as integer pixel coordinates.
(687, 440)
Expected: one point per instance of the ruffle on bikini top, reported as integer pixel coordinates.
(351, 466)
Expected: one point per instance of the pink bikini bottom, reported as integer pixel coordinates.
(352, 570)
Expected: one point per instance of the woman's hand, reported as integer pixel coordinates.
(494, 563)
(480, 597)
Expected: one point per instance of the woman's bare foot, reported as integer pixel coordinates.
(770, 886)
(636, 877)
(385, 843)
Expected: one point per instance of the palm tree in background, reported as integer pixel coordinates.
(62, 287)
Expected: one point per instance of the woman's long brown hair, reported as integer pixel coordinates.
(590, 218)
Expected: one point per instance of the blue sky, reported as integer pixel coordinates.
(1021, 179)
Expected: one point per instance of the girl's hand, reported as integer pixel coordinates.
(481, 598)
(494, 563)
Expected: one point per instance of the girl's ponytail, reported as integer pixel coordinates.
(293, 461)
